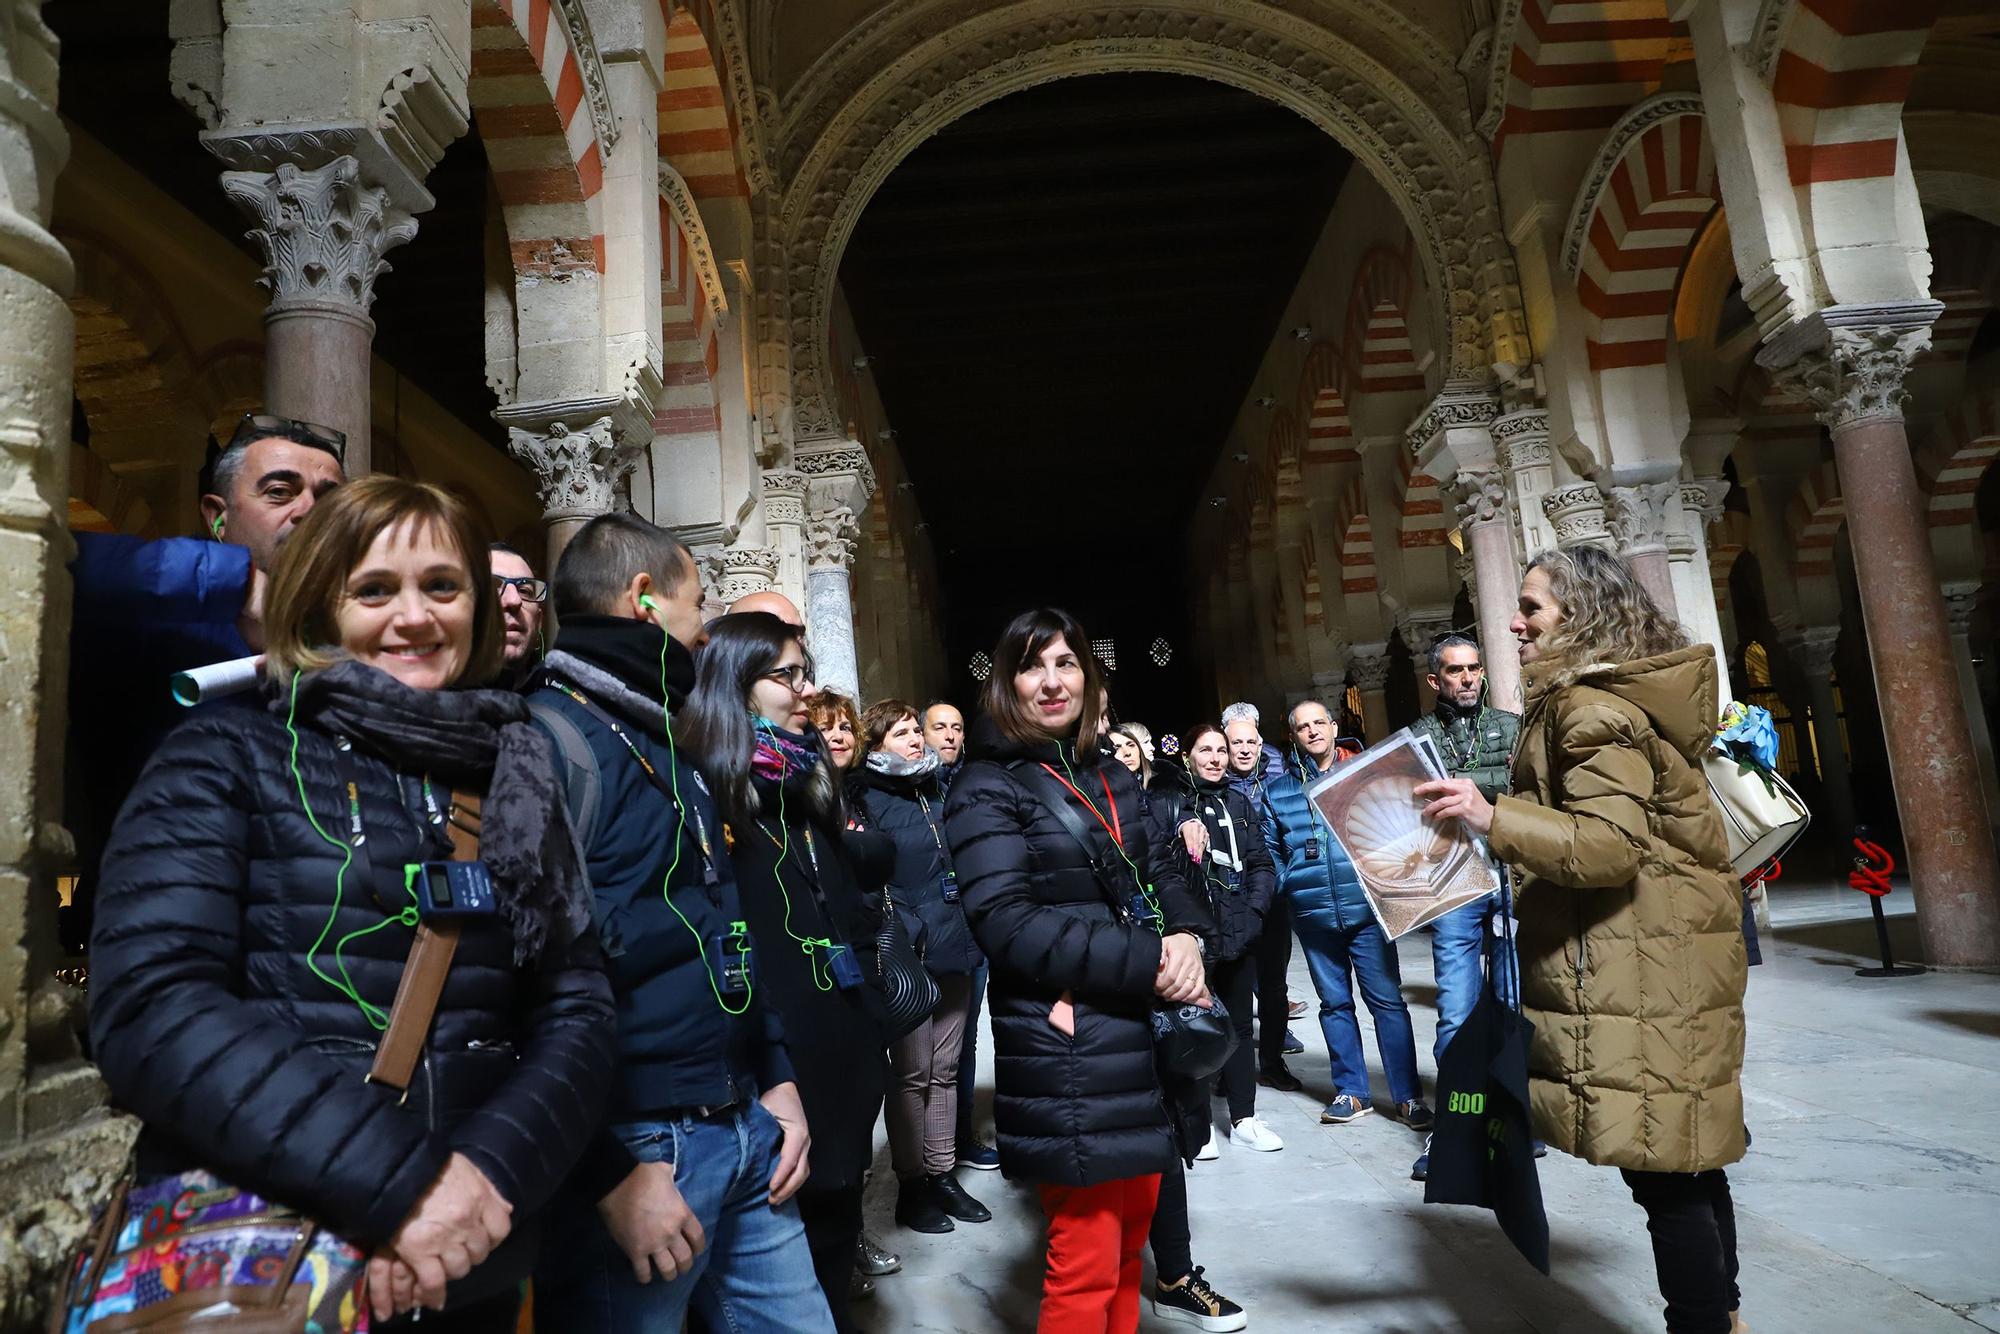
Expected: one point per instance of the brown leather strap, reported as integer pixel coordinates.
(425, 971)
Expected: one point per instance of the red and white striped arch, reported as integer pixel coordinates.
(1771, 416)
(1309, 588)
(1356, 535)
(1329, 433)
(1839, 81)
(1965, 276)
(1284, 448)
(688, 402)
(697, 123)
(1955, 461)
(1424, 523)
(1578, 66)
(1641, 227)
(1815, 516)
(1383, 358)
(527, 97)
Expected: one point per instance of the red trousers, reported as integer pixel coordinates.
(1091, 1285)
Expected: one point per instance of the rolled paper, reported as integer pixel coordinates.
(198, 684)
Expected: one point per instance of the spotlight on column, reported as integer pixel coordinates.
(886, 433)
(1268, 401)
(862, 363)
(1303, 333)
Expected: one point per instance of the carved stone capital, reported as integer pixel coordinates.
(840, 471)
(1961, 604)
(1637, 515)
(1459, 405)
(1702, 500)
(1522, 440)
(1814, 648)
(785, 495)
(1576, 512)
(830, 538)
(1481, 496)
(747, 570)
(1849, 361)
(1369, 666)
(323, 232)
(578, 461)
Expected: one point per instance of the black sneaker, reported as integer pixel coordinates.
(1276, 1075)
(871, 1259)
(979, 1157)
(951, 1198)
(1416, 1114)
(860, 1287)
(1193, 1302)
(1421, 1169)
(1293, 1047)
(917, 1207)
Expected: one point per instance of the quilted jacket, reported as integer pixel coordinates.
(1631, 940)
(219, 901)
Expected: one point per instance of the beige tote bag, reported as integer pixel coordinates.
(1761, 815)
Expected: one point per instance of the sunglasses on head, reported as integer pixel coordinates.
(264, 426)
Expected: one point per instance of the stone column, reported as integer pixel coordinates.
(1687, 551)
(1482, 514)
(1813, 648)
(784, 502)
(1961, 601)
(1576, 515)
(59, 1149)
(1370, 669)
(1850, 361)
(1522, 439)
(580, 460)
(1640, 511)
(830, 536)
(324, 224)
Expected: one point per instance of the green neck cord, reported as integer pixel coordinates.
(808, 945)
(1145, 889)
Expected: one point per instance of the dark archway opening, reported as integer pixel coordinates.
(1065, 296)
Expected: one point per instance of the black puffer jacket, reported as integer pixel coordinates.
(1078, 1110)
(910, 810)
(1237, 878)
(799, 879)
(209, 1024)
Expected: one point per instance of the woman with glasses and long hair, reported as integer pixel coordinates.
(1078, 959)
(1631, 933)
(804, 882)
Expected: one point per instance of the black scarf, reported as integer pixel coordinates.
(477, 739)
(630, 651)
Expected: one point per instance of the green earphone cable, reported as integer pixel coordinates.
(808, 945)
(1145, 888)
(408, 916)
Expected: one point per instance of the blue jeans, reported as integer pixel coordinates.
(1464, 949)
(1336, 959)
(756, 1273)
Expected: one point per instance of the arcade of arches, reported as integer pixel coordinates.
(1710, 282)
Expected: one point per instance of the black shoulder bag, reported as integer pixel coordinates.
(1189, 1041)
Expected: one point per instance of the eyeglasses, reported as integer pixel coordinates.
(263, 426)
(531, 590)
(795, 677)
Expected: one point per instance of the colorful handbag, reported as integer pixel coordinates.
(189, 1252)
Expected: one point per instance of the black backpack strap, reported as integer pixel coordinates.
(583, 784)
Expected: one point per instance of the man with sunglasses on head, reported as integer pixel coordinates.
(147, 609)
(523, 608)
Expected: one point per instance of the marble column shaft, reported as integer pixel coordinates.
(1851, 361)
(829, 607)
(1483, 514)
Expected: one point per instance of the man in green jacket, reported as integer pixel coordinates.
(1474, 742)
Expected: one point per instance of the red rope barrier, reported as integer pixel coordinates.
(1872, 868)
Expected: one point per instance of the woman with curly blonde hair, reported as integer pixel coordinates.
(838, 722)
(1631, 941)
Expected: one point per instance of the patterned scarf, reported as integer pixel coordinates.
(781, 754)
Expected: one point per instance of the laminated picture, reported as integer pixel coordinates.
(1413, 870)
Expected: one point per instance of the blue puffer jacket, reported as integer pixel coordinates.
(1314, 873)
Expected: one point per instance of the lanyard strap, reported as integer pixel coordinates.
(1114, 826)
(944, 853)
(685, 812)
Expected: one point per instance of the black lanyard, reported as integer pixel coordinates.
(944, 853)
(355, 830)
(709, 875)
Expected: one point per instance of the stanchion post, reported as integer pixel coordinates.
(1872, 867)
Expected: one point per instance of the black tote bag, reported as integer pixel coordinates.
(1483, 1145)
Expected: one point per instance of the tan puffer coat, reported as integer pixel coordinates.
(1631, 941)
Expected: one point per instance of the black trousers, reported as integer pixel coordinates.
(1273, 953)
(495, 1315)
(1232, 980)
(832, 1220)
(1173, 1255)
(1693, 1223)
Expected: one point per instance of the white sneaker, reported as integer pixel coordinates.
(1254, 1134)
(1208, 1152)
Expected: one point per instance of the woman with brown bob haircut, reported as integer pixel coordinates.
(260, 898)
(1078, 958)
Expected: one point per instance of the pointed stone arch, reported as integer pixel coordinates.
(896, 90)
(1323, 405)
(1382, 357)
